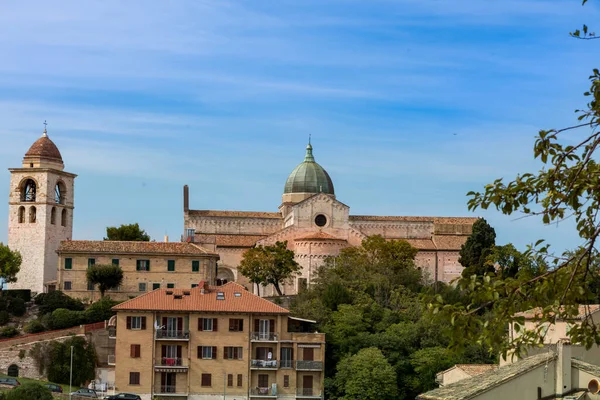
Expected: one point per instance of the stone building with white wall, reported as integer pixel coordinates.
(40, 213)
(316, 225)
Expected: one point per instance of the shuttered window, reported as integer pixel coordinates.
(286, 381)
(68, 263)
(208, 324)
(206, 380)
(207, 352)
(136, 323)
(236, 325)
(239, 380)
(195, 266)
(91, 262)
(135, 350)
(115, 261)
(142, 265)
(171, 265)
(134, 378)
(230, 380)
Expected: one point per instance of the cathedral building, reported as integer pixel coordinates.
(316, 225)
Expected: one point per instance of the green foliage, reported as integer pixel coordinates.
(17, 307)
(35, 326)
(10, 264)
(29, 391)
(22, 354)
(8, 332)
(366, 375)
(40, 354)
(4, 317)
(477, 249)
(269, 265)
(129, 233)
(51, 301)
(106, 276)
(63, 318)
(427, 363)
(84, 361)
(24, 294)
(100, 310)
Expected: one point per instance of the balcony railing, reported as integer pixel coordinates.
(286, 364)
(309, 392)
(172, 334)
(263, 364)
(112, 332)
(262, 391)
(263, 336)
(169, 362)
(170, 389)
(302, 365)
(111, 359)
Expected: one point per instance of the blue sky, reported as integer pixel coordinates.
(410, 103)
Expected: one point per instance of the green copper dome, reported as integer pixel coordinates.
(309, 177)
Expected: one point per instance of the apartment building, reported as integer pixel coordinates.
(146, 266)
(215, 342)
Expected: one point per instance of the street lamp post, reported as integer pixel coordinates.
(71, 375)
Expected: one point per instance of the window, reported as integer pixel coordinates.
(90, 286)
(63, 218)
(134, 378)
(206, 380)
(195, 266)
(68, 263)
(32, 214)
(28, 191)
(236, 325)
(21, 214)
(208, 324)
(232, 353)
(142, 265)
(136, 323)
(91, 262)
(194, 285)
(286, 381)
(67, 285)
(142, 286)
(53, 216)
(59, 193)
(155, 286)
(171, 265)
(207, 352)
(134, 350)
(320, 220)
(170, 285)
(220, 295)
(230, 380)
(115, 261)
(263, 380)
(239, 380)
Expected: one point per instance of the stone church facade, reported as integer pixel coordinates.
(316, 225)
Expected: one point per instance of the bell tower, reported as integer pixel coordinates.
(40, 208)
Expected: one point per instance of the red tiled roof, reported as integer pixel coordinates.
(319, 236)
(436, 220)
(235, 214)
(245, 302)
(45, 148)
(449, 242)
(582, 312)
(122, 247)
(228, 240)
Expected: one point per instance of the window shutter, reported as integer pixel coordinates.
(163, 351)
(132, 350)
(137, 265)
(178, 351)
(68, 263)
(256, 325)
(164, 322)
(180, 324)
(147, 265)
(239, 380)
(143, 322)
(231, 324)
(240, 353)
(138, 350)
(200, 324)
(241, 325)
(272, 325)
(214, 352)
(128, 322)
(215, 324)
(199, 355)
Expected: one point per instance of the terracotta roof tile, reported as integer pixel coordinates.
(583, 311)
(319, 236)
(121, 247)
(421, 244)
(476, 369)
(436, 220)
(45, 148)
(195, 301)
(449, 242)
(235, 214)
(228, 240)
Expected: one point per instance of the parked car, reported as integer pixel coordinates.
(87, 393)
(123, 396)
(9, 381)
(54, 388)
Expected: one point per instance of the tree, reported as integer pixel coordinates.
(10, 264)
(106, 276)
(476, 250)
(269, 265)
(565, 187)
(59, 357)
(367, 376)
(128, 233)
(29, 391)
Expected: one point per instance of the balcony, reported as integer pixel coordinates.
(112, 332)
(308, 393)
(286, 364)
(263, 364)
(111, 359)
(170, 364)
(166, 334)
(263, 337)
(309, 365)
(263, 392)
(171, 391)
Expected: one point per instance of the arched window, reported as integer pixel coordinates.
(28, 190)
(32, 214)
(13, 370)
(53, 216)
(21, 214)
(59, 192)
(63, 217)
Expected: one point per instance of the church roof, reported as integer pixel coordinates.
(231, 240)
(319, 236)
(234, 214)
(44, 148)
(125, 247)
(309, 177)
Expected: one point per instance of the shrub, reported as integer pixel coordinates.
(4, 317)
(17, 307)
(8, 332)
(84, 361)
(34, 326)
(29, 391)
(23, 294)
(100, 310)
(54, 300)
(63, 318)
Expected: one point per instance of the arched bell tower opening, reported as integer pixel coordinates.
(40, 213)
